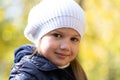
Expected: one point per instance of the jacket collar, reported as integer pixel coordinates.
(40, 62)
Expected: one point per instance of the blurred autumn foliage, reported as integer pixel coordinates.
(100, 47)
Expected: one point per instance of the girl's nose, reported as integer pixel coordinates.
(65, 45)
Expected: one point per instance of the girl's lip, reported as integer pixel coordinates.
(61, 55)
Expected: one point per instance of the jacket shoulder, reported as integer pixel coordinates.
(21, 76)
(24, 70)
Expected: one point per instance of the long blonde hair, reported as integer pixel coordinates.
(78, 70)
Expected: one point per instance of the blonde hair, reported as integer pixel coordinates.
(78, 70)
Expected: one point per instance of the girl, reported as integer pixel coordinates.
(56, 28)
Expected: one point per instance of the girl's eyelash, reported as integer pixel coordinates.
(75, 39)
(56, 35)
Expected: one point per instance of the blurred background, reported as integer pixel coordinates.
(100, 46)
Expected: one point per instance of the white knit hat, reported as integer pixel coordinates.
(49, 15)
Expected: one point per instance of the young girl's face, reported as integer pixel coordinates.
(60, 46)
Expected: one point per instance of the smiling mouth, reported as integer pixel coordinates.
(61, 55)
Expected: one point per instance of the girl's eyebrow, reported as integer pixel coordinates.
(56, 31)
(77, 35)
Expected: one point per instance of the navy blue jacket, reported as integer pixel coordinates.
(36, 67)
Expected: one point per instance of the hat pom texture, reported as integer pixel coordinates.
(49, 15)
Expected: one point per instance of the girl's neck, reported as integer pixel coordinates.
(62, 67)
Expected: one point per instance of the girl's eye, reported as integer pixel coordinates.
(57, 35)
(75, 39)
